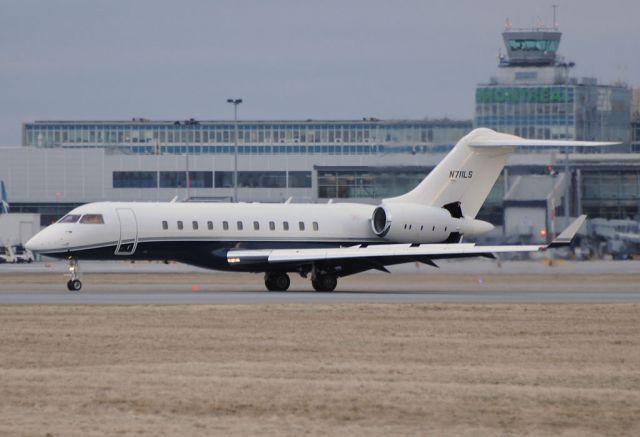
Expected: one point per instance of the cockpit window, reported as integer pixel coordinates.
(70, 218)
(92, 219)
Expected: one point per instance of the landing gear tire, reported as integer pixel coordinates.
(324, 282)
(277, 281)
(74, 285)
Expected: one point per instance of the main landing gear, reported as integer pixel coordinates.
(276, 281)
(324, 282)
(279, 281)
(74, 283)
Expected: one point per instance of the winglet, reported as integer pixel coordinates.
(566, 236)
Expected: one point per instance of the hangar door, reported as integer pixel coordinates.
(128, 232)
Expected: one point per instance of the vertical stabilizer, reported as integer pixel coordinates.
(464, 177)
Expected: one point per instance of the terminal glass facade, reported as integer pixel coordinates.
(531, 112)
(178, 179)
(611, 193)
(368, 182)
(582, 112)
(209, 179)
(257, 137)
(635, 136)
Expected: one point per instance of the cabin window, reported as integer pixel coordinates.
(285, 226)
(315, 226)
(71, 218)
(272, 226)
(239, 223)
(195, 225)
(225, 226)
(165, 225)
(301, 225)
(445, 229)
(421, 227)
(92, 219)
(180, 225)
(405, 226)
(433, 229)
(256, 226)
(210, 225)
(410, 226)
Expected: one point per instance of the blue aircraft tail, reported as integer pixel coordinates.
(4, 202)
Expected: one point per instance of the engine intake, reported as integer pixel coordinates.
(380, 221)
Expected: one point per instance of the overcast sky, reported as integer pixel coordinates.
(82, 59)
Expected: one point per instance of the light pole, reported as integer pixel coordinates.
(235, 103)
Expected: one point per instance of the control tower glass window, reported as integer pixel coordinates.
(539, 45)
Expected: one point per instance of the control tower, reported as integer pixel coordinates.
(532, 57)
(533, 95)
(531, 47)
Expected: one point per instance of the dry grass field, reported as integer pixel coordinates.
(353, 369)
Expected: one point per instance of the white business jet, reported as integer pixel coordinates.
(322, 241)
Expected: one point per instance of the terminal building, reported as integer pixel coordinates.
(534, 96)
(62, 164)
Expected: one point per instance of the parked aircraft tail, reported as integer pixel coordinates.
(4, 203)
(463, 179)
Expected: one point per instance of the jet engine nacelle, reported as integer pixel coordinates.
(412, 223)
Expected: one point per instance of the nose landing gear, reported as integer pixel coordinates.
(74, 283)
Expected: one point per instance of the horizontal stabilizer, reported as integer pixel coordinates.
(521, 142)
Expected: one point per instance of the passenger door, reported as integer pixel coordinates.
(128, 232)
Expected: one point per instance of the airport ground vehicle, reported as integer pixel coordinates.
(7, 255)
(21, 254)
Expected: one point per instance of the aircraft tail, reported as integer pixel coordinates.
(4, 202)
(462, 181)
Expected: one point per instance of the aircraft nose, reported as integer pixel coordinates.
(35, 243)
(46, 240)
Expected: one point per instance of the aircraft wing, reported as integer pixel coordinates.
(387, 254)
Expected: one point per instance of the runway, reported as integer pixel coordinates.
(150, 284)
(301, 297)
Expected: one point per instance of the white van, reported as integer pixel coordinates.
(21, 254)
